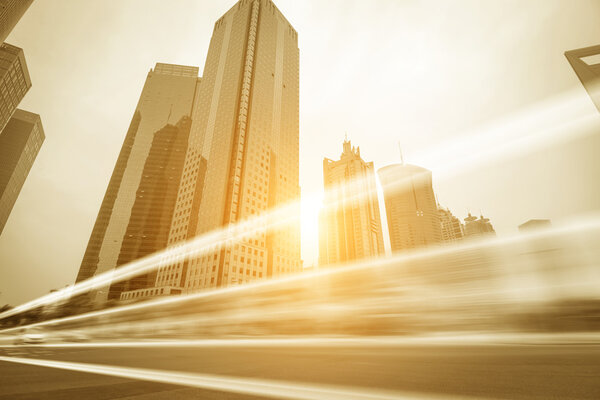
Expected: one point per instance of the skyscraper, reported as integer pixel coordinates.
(350, 225)
(412, 214)
(166, 98)
(452, 229)
(243, 154)
(587, 70)
(14, 80)
(475, 227)
(20, 142)
(11, 12)
(152, 212)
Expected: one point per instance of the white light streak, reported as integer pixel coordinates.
(250, 386)
(520, 133)
(589, 224)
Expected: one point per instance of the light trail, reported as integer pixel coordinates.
(278, 389)
(287, 213)
(538, 125)
(471, 339)
(588, 224)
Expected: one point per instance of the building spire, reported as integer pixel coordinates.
(401, 155)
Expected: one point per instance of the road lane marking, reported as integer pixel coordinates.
(250, 386)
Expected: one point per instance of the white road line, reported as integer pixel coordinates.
(241, 385)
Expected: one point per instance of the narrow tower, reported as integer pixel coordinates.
(350, 224)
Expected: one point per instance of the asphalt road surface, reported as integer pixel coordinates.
(499, 371)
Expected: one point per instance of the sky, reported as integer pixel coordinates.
(478, 92)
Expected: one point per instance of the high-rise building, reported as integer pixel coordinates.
(14, 80)
(243, 154)
(166, 98)
(586, 64)
(412, 213)
(20, 142)
(350, 225)
(452, 228)
(475, 227)
(11, 12)
(152, 212)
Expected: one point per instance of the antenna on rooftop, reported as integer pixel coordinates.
(401, 155)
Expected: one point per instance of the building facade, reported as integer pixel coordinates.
(588, 73)
(166, 98)
(20, 142)
(350, 223)
(14, 80)
(411, 209)
(452, 228)
(243, 154)
(148, 228)
(476, 227)
(11, 12)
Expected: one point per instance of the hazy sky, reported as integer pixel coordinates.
(449, 80)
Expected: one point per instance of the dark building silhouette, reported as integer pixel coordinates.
(20, 142)
(14, 80)
(588, 72)
(152, 212)
(11, 12)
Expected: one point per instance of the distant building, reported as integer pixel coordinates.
(475, 227)
(411, 209)
(11, 12)
(534, 224)
(14, 80)
(125, 216)
(20, 142)
(588, 72)
(452, 228)
(350, 223)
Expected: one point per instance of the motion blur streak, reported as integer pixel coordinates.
(542, 124)
(514, 284)
(523, 132)
(333, 342)
(259, 387)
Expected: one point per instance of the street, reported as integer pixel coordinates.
(502, 371)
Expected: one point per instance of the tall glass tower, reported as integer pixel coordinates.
(167, 97)
(20, 142)
(412, 214)
(243, 155)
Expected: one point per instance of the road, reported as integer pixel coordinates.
(389, 370)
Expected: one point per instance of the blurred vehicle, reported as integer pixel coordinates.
(30, 336)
